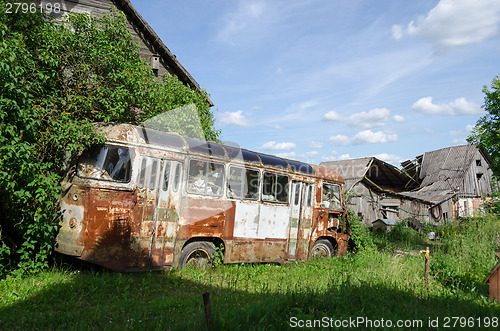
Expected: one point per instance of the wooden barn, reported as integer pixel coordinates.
(445, 184)
(454, 180)
(153, 50)
(373, 190)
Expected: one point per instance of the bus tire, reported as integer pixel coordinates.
(322, 248)
(198, 254)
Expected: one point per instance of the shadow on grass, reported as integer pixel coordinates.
(169, 301)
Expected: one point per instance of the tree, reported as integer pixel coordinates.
(486, 133)
(56, 79)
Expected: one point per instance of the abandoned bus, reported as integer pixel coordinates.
(151, 199)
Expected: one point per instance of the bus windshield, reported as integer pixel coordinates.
(110, 163)
(330, 197)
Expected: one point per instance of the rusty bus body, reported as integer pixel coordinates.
(153, 199)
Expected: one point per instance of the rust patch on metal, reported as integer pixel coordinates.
(327, 174)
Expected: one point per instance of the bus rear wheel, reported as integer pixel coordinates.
(198, 254)
(322, 248)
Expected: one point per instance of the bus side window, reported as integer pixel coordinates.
(197, 180)
(215, 178)
(275, 187)
(243, 183)
(252, 177)
(166, 176)
(142, 173)
(205, 177)
(235, 184)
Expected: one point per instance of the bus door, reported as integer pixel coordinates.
(304, 233)
(166, 216)
(147, 198)
(295, 217)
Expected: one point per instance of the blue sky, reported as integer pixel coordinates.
(323, 80)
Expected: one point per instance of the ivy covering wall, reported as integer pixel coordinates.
(55, 81)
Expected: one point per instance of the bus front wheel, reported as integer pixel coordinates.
(198, 254)
(322, 248)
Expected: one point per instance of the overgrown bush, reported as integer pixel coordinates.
(360, 235)
(56, 79)
(405, 235)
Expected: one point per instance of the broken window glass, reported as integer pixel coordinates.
(243, 183)
(205, 177)
(275, 187)
(110, 163)
(330, 196)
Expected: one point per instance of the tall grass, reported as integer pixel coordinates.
(371, 283)
(468, 251)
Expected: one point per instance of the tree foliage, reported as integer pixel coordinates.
(486, 133)
(56, 79)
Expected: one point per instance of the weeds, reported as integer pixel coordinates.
(373, 282)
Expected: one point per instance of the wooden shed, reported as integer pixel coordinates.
(383, 224)
(454, 180)
(493, 279)
(441, 185)
(373, 190)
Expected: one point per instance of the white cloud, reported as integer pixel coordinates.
(458, 107)
(240, 23)
(344, 157)
(459, 141)
(340, 140)
(298, 156)
(398, 118)
(314, 144)
(397, 32)
(274, 146)
(233, 119)
(364, 137)
(455, 22)
(389, 158)
(307, 104)
(333, 116)
(375, 117)
(370, 137)
(465, 131)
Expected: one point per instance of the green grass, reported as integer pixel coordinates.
(371, 283)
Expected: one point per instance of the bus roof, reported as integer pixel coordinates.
(145, 136)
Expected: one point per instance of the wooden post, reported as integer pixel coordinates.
(426, 274)
(427, 257)
(208, 310)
